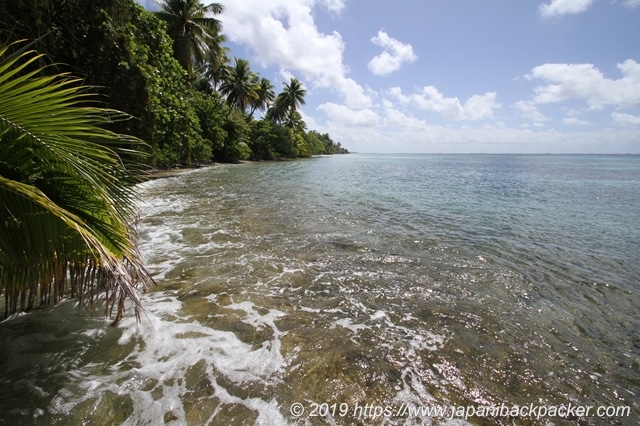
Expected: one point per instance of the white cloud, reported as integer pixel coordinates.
(344, 116)
(631, 3)
(625, 119)
(430, 99)
(573, 121)
(396, 118)
(355, 95)
(586, 82)
(571, 7)
(477, 107)
(529, 110)
(411, 135)
(565, 7)
(283, 33)
(335, 6)
(394, 55)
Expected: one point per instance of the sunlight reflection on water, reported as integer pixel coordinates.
(427, 280)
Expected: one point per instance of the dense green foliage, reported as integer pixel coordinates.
(66, 171)
(170, 71)
(67, 201)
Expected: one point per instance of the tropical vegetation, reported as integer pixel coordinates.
(166, 68)
(67, 171)
(192, 32)
(67, 200)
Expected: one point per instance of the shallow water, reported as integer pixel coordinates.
(346, 282)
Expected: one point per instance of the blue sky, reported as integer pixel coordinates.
(526, 76)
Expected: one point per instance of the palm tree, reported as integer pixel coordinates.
(295, 122)
(266, 96)
(287, 102)
(191, 30)
(293, 95)
(241, 85)
(216, 68)
(68, 206)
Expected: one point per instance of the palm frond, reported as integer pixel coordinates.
(68, 207)
(192, 31)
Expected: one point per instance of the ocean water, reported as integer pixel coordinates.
(360, 289)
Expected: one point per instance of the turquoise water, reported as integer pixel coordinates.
(388, 280)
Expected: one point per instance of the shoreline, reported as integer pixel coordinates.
(154, 173)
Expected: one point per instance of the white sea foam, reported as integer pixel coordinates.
(264, 362)
(165, 351)
(161, 248)
(348, 324)
(378, 315)
(415, 395)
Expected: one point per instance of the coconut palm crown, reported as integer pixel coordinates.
(265, 96)
(286, 105)
(193, 33)
(241, 85)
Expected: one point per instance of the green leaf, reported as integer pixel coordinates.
(67, 199)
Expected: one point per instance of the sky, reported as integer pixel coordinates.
(453, 76)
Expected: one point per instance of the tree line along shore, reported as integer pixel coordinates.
(92, 95)
(191, 101)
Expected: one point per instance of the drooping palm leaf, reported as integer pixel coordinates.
(241, 85)
(265, 96)
(67, 208)
(192, 31)
(286, 105)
